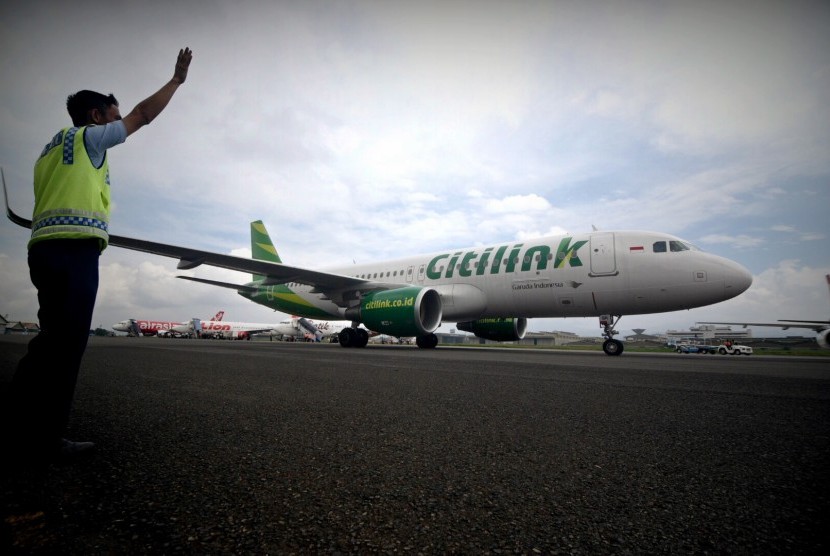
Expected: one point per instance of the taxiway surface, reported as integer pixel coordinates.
(257, 447)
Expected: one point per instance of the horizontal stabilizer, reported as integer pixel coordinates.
(237, 287)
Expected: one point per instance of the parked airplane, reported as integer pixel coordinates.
(820, 327)
(222, 330)
(300, 328)
(139, 327)
(490, 291)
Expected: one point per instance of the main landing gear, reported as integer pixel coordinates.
(353, 337)
(610, 346)
(427, 342)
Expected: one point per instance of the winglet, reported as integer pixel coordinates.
(19, 220)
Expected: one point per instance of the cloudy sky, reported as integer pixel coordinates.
(359, 131)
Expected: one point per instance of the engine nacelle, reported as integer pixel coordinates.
(496, 329)
(823, 338)
(407, 311)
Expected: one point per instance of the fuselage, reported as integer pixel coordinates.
(153, 327)
(580, 275)
(222, 329)
(146, 327)
(311, 329)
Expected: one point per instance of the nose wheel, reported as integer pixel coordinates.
(610, 346)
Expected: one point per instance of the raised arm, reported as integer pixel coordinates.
(147, 110)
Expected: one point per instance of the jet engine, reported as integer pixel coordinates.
(496, 329)
(823, 338)
(407, 311)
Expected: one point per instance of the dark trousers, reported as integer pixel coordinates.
(65, 273)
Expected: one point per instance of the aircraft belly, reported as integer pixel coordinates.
(288, 301)
(548, 293)
(461, 301)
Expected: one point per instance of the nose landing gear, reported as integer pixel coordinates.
(610, 346)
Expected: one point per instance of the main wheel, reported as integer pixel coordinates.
(347, 337)
(612, 347)
(361, 338)
(427, 342)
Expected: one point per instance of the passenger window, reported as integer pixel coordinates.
(659, 246)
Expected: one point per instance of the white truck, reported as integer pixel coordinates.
(734, 349)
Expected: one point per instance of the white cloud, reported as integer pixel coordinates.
(517, 204)
(789, 290)
(738, 241)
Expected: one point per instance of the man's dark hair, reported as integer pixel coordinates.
(82, 102)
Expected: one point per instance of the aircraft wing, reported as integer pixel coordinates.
(276, 273)
(815, 325)
(336, 286)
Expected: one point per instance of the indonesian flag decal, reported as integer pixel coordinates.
(636, 249)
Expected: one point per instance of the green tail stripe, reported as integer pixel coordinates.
(262, 248)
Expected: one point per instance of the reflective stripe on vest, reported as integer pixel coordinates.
(71, 221)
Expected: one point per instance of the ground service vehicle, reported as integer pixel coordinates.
(688, 348)
(734, 350)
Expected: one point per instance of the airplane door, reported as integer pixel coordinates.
(421, 273)
(603, 257)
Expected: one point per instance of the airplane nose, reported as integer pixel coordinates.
(737, 279)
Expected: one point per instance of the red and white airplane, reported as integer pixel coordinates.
(224, 330)
(138, 327)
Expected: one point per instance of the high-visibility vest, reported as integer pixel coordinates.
(72, 197)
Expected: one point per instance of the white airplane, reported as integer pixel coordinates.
(296, 328)
(301, 328)
(140, 327)
(227, 330)
(490, 291)
(820, 327)
(384, 339)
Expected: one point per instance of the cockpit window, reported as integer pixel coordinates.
(674, 245)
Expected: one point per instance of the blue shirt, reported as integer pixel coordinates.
(98, 138)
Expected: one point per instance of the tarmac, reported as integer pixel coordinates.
(221, 447)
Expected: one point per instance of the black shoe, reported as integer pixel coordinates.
(71, 451)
